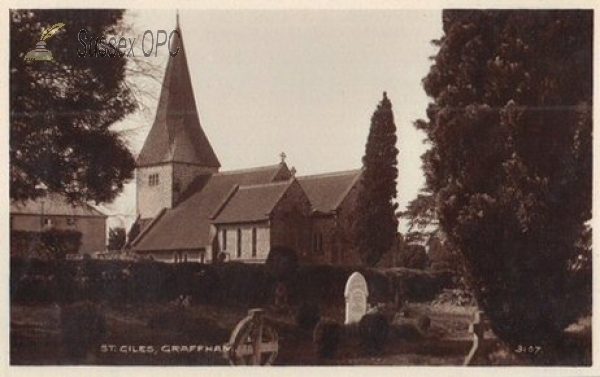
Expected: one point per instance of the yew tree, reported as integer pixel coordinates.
(510, 162)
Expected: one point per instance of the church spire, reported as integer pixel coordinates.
(176, 135)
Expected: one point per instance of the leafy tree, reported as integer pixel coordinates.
(443, 256)
(510, 164)
(411, 255)
(422, 218)
(116, 238)
(375, 223)
(282, 262)
(424, 229)
(61, 111)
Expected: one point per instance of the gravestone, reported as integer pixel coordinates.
(356, 294)
(253, 342)
(477, 328)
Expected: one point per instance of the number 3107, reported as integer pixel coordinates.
(528, 349)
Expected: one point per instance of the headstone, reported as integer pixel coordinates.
(477, 328)
(356, 294)
(253, 342)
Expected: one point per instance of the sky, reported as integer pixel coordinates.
(303, 82)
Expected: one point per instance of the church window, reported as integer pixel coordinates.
(224, 239)
(317, 242)
(320, 242)
(239, 243)
(153, 179)
(254, 242)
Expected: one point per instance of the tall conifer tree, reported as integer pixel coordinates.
(376, 225)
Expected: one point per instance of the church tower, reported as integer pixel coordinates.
(176, 150)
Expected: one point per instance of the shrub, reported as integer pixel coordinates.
(282, 263)
(378, 284)
(82, 328)
(326, 339)
(308, 315)
(147, 281)
(50, 244)
(243, 284)
(58, 243)
(373, 331)
(309, 281)
(204, 285)
(408, 324)
(413, 256)
(405, 329)
(417, 285)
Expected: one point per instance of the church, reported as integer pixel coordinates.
(188, 210)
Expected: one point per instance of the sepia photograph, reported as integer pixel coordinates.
(300, 187)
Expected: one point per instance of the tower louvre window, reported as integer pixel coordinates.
(153, 179)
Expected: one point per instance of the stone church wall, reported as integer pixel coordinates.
(291, 223)
(230, 231)
(151, 199)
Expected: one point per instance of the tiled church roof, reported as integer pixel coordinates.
(252, 203)
(187, 226)
(176, 135)
(327, 191)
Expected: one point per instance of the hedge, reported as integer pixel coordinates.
(247, 285)
(50, 243)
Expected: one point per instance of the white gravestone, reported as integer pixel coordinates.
(356, 294)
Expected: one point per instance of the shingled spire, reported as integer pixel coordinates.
(176, 135)
(176, 150)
